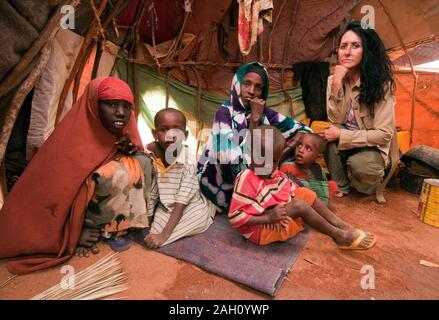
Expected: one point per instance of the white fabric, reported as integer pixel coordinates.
(65, 48)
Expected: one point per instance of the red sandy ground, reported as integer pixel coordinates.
(321, 272)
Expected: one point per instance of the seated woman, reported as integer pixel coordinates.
(226, 153)
(42, 219)
(360, 104)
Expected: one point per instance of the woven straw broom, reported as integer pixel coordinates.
(102, 279)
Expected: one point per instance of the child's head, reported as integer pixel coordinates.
(169, 127)
(268, 144)
(309, 147)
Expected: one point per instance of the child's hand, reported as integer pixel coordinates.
(125, 146)
(154, 241)
(279, 213)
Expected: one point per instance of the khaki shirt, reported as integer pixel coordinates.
(375, 131)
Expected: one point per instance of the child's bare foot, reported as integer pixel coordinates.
(87, 242)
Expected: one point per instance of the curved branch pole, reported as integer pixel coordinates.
(394, 151)
(412, 67)
(22, 68)
(284, 56)
(19, 97)
(81, 58)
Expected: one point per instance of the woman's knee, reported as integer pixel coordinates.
(366, 164)
(366, 172)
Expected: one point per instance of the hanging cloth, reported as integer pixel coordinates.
(250, 21)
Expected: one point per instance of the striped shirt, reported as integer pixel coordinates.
(178, 183)
(351, 121)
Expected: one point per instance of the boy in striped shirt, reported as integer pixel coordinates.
(176, 203)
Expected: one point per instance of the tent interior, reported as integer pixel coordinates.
(183, 54)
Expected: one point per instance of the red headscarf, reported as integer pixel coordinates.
(41, 221)
(114, 89)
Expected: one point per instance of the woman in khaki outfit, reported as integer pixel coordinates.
(360, 105)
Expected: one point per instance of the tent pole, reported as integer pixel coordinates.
(205, 63)
(99, 51)
(82, 55)
(23, 67)
(199, 96)
(17, 101)
(174, 50)
(293, 24)
(119, 6)
(137, 44)
(260, 49)
(77, 80)
(167, 90)
(415, 76)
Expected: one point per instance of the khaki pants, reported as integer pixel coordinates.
(361, 168)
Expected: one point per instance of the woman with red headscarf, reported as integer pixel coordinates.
(79, 185)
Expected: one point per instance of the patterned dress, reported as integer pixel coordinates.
(120, 192)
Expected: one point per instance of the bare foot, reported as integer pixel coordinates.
(87, 242)
(82, 251)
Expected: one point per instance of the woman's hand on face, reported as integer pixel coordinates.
(340, 73)
(331, 134)
(125, 146)
(257, 109)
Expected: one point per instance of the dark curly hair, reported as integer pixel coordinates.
(377, 72)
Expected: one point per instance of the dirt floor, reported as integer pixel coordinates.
(321, 272)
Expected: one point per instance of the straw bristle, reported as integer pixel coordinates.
(7, 281)
(102, 279)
